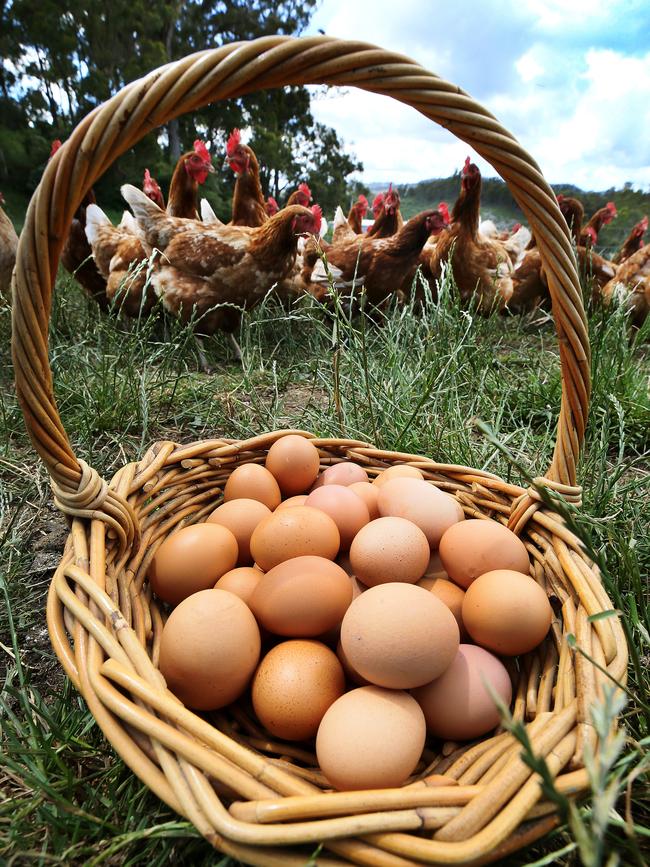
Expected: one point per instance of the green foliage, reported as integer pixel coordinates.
(61, 59)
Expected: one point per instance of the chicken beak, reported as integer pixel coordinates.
(226, 163)
(210, 168)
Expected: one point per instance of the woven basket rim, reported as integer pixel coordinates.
(127, 665)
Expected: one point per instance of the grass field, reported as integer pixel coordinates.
(418, 384)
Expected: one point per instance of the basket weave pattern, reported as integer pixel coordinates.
(256, 800)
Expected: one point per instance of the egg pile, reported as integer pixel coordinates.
(362, 614)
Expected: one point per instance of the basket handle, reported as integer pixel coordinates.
(232, 71)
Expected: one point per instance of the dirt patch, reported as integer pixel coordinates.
(41, 534)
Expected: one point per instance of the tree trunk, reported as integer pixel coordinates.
(173, 127)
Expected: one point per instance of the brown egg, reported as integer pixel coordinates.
(399, 636)
(191, 559)
(350, 673)
(470, 548)
(345, 508)
(294, 462)
(302, 597)
(507, 612)
(370, 738)
(343, 561)
(209, 648)
(368, 494)
(240, 581)
(420, 502)
(293, 533)
(346, 473)
(457, 706)
(397, 471)
(450, 594)
(253, 482)
(240, 517)
(389, 549)
(298, 500)
(435, 569)
(296, 682)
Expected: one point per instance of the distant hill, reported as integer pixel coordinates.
(497, 204)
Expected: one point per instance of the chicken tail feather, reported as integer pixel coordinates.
(95, 219)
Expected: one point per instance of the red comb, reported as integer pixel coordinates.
(378, 200)
(317, 211)
(468, 163)
(643, 224)
(592, 234)
(234, 140)
(304, 188)
(444, 211)
(611, 207)
(363, 200)
(560, 198)
(147, 176)
(515, 228)
(201, 150)
(56, 144)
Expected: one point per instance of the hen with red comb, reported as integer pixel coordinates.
(301, 196)
(481, 266)
(602, 217)
(389, 220)
(151, 188)
(212, 271)
(249, 208)
(633, 242)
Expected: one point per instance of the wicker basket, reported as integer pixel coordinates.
(255, 800)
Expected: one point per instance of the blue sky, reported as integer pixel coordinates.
(570, 80)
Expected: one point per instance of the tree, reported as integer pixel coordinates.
(61, 59)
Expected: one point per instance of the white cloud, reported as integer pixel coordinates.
(570, 82)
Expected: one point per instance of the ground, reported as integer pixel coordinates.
(418, 384)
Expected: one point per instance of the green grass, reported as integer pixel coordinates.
(418, 384)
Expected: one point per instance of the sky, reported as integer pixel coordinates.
(570, 80)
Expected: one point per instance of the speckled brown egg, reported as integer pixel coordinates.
(471, 548)
(253, 482)
(242, 582)
(295, 684)
(457, 706)
(345, 508)
(191, 559)
(296, 532)
(507, 612)
(420, 502)
(449, 593)
(397, 471)
(389, 549)
(369, 494)
(240, 517)
(435, 569)
(294, 462)
(302, 597)
(350, 673)
(399, 636)
(298, 500)
(346, 473)
(209, 648)
(370, 738)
